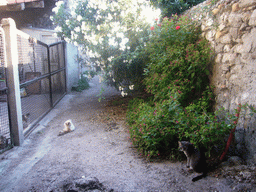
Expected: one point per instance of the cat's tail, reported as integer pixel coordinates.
(64, 132)
(199, 177)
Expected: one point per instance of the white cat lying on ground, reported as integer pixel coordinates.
(68, 127)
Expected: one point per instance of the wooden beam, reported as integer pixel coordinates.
(3, 2)
(22, 6)
(15, 7)
(35, 4)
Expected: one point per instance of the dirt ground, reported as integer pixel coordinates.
(98, 155)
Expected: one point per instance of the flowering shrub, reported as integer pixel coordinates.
(177, 76)
(109, 32)
(179, 59)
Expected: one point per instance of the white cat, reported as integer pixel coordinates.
(68, 127)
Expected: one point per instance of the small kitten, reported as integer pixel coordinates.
(195, 158)
(68, 127)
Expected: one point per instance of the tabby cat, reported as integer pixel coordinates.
(195, 158)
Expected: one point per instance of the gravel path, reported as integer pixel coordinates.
(97, 156)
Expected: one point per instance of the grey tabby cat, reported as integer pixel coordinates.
(195, 158)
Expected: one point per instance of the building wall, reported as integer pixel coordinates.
(230, 27)
(72, 66)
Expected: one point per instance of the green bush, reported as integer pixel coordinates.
(169, 7)
(155, 127)
(181, 106)
(180, 59)
(83, 84)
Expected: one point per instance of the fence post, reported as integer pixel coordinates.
(13, 84)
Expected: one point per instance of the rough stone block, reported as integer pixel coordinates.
(234, 32)
(215, 11)
(225, 68)
(224, 18)
(221, 27)
(235, 7)
(243, 27)
(233, 77)
(210, 35)
(238, 48)
(219, 34)
(219, 48)
(252, 21)
(226, 39)
(227, 48)
(245, 57)
(221, 6)
(249, 41)
(235, 20)
(247, 3)
(218, 58)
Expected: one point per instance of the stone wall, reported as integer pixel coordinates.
(230, 27)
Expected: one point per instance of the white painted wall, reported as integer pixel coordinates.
(72, 66)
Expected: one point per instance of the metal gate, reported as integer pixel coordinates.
(42, 77)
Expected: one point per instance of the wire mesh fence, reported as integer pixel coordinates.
(5, 136)
(34, 89)
(42, 78)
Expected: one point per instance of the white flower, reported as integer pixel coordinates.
(110, 58)
(110, 17)
(100, 40)
(79, 18)
(55, 35)
(58, 4)
(67, 39)
(112, 41)
(123, 93)
(131, 87)
(121, 35)
(58, 29)
(73, 13)
(77, 29)
(120, 88)
(85, 27)
(103, 6)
